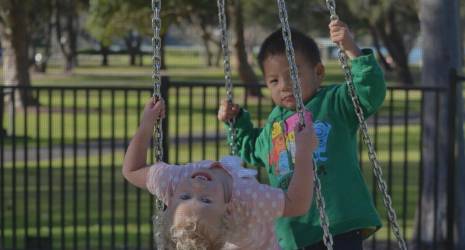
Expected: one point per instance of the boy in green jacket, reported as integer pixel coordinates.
(351, 212)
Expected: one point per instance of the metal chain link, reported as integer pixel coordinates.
(367, 139)
(296, 89)
(158, 131)
(156, 75)
(331, 5)
(320, 203)
(227, 72)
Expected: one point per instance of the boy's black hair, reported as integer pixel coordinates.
(274, 45)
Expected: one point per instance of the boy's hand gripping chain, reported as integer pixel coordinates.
(227, 72)
(327, 237)
(331, 5)
(158, 132)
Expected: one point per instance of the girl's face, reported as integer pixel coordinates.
(278, 80)
(203, 195)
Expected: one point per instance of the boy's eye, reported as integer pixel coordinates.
(273, 82)
(206, 200)
(184, 197)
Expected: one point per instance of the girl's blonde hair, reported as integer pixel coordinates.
(190, 234)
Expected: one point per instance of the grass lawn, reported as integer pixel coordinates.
(84, 190)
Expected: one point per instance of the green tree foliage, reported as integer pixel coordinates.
(269, 18)
(310, 16)
(202, 15)
(101, 21)
(396, 25)
(109, 20)
(392, 24)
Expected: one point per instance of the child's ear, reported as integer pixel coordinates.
(320, 71)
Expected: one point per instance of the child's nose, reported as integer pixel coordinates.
(198, 184)
(286, 84)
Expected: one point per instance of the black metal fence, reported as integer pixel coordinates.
(60, 181)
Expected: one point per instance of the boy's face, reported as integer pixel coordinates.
(278, 80)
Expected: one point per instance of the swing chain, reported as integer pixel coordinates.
(331, 5)
(366, 137)
(156, 75)
(327, 237)
(158, 132)
(382, 187)
(227, 72)
(296, 89)
(320, 202)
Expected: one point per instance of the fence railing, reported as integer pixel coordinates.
(60, 169)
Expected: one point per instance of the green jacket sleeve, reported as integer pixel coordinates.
(247, 138)
(369, 85)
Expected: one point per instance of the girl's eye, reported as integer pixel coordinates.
(273, 82)
(206, 200)
(184, 196)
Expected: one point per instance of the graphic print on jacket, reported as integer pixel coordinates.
(282, 157)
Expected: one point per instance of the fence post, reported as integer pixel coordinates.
(454, 80)
(2, 102)
(11, 109)
(456, 230)
(165, 93)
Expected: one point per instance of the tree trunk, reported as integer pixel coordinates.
(73, 29)
(440, 50)
(219, 54)
(104, 50)
(138, 49)
(132, 59)
(457, 30)
(15, 38)
(72, 26)
(141, 58)
(133, 43)
(131, 52)
(41, 66)
(460, 171)
(382, 58)
(392, 39)
(246, 73)
(68, 43)
(206, 37)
